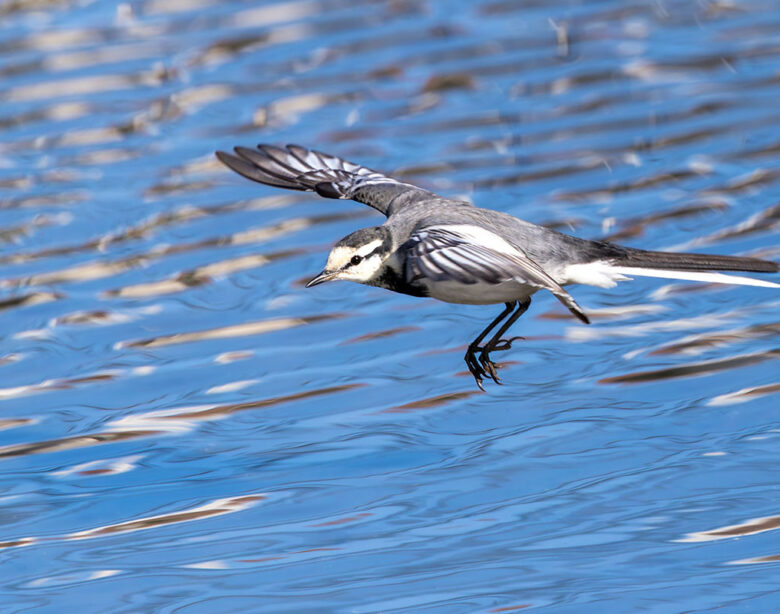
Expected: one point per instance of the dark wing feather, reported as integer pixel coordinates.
(440, 253)
(298, 168)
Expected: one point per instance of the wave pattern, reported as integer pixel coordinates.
(161, 362)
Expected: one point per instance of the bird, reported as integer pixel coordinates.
(456, 252)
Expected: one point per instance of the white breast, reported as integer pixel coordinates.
(479, 293)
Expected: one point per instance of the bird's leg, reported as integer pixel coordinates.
(471, 359)
(497, 344)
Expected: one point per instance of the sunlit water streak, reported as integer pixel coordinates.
(184, 428)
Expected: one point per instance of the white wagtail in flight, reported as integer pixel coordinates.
(455, 252)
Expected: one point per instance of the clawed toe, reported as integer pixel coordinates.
(482, 366)
(488, 366)
(477, 373)
(475, 368)
(504, 344)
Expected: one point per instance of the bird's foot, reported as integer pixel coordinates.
(475, 368)
(488, 366)
(482, 366)
(504, 344)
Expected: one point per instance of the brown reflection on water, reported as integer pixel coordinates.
(62, 198)
(382, 334)
(226, 332)
(566, 170)
(7, 359)
(277, 557)
(647, 181)
(344, 520)
(162, 422)
(299, 555)
(772, 558)
(750, 527)
(146, 229)
(57, 384)
(620, 312)
(650, 327)
(101, 269)
(10, 423)
(200, 275)
(745, 394)
(767, 220)
(695, 344)
(754, 178)
(636, 226)
(16, 543)
(71, 443)
(112, 466)
(692, 369)
(431, 402)
(97, 317)
(33, 298)
(54, 112)
(218, 507)
(89, 271)
(209, 510)
(11, 234)
(80, 86)
(212, 412)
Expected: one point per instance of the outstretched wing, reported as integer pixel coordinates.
(470, 254)
(298, 168)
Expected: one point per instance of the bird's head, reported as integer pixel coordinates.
(357, 257)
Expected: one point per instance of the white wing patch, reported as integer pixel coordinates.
(482, 236)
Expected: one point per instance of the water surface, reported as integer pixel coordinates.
(184, 428)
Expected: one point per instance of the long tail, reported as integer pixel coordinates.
(607, 264)
(672, 261)
(695, 267)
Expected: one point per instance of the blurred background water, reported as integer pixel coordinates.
(184, 428)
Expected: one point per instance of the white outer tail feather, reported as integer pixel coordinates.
(715, 278)
(606, 275)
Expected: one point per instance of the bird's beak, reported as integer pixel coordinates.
(322, 278)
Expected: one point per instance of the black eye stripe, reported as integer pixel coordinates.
(357, 259)
(377, 250)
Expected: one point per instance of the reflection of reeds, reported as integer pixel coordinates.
(162, 422)
(227, 332)
(772, 558)
(100, 269)
(695, 344)
(214, 508)
(201, 512)
(198, 276)
(706, 367)
(750, 527)
(436, 401)
(745, 394)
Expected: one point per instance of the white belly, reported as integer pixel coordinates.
(479, 293)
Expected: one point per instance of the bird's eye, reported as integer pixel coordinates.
(356, 260)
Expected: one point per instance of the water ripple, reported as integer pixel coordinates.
(179, 414)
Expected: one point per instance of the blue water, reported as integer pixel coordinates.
(184, 428)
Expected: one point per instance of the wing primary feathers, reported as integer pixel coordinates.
(297, 168)
(251, 171)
